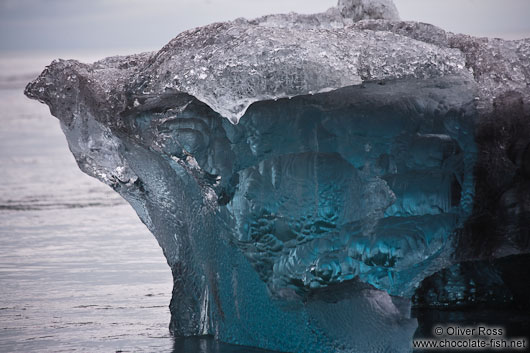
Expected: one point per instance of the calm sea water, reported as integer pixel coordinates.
(78, 270)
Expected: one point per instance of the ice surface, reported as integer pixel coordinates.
(344, 14)
(350, 166)
(229, 66)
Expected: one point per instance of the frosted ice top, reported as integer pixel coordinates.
(233, 64)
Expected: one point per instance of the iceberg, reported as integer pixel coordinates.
(304, 173)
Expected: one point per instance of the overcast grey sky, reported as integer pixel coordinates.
(149, 24)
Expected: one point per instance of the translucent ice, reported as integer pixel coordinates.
(347, 170)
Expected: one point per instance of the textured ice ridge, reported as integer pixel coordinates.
(359, 155)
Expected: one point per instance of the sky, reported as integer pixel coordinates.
(133, 25)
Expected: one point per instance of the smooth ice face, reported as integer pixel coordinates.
(303, 173)
(366, 183)
(358, 189)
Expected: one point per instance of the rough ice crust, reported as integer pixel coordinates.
(229, 66)
(344, 14)
(344, 173)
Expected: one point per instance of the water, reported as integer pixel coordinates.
(78, 270)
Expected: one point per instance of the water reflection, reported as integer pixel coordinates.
(207, 344)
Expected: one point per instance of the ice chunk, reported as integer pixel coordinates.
(368, 9)
(344, 14)
(350, 166)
